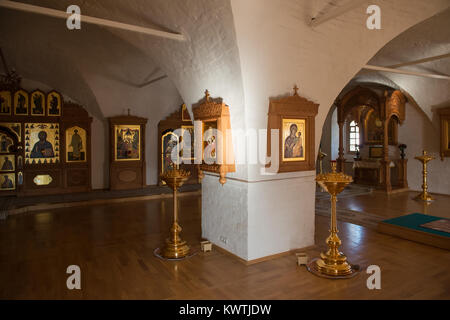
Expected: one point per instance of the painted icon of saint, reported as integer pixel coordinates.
(7, 165)
(42, 148)
(77, 145)
(4, 107)
(171, 142)
(54, 106)
(21, 108)
(38, 109)
(293, 143)
(7, 183)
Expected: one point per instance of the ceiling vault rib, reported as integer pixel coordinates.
(429, 59)
(151, 81)
(410, 73)
(336, 12)
(93, 20)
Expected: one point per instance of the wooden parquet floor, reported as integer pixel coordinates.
(113, 245)
(397, 204)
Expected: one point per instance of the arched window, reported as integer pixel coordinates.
(353, 137)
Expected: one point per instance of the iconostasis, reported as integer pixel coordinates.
(44, 144)
(172, 131)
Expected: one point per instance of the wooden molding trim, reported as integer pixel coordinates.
(266, 258)
(49, 206)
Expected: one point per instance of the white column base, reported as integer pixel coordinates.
(257, 219)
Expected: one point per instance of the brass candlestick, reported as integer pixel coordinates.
(424, 158)
(333, 264)
(175, 247)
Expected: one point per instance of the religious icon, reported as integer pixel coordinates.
(7, 181)
(374, 131)
(42, 148)
(54, 104)
(7, 163)
(75, 144)
(127, 142)
(5, 143)
(169, 151)
(37, 103)
(21, 102)
(187, 140)
(293, 147)
(210, 141)
(20, 178)
(5, 102)
(42, 142)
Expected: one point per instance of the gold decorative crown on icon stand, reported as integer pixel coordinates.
(332, 263)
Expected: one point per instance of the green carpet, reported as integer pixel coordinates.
(414, 220)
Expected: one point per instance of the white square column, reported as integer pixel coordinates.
(257, 219)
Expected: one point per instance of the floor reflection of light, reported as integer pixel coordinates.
(43, 217)
(175, 273)
(355, 233)
(425, 207)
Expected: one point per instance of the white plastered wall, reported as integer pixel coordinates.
(419, 133)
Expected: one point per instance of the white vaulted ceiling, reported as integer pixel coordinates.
(86, 64)
(427, 39)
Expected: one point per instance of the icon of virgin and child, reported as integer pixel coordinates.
(42, 148)
(293, 144)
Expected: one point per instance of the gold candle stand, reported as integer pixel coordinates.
(333, 264)
(424, 195)
(175, 247)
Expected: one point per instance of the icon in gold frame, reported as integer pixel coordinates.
(7, 162)
(7, 181)
(54, 103)
(293, 139)
(21, 103)
(76, 144)
(42, 144)
(5, 102)
(169, 142)
(209, 138)
(37, 103)
(127, 142)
